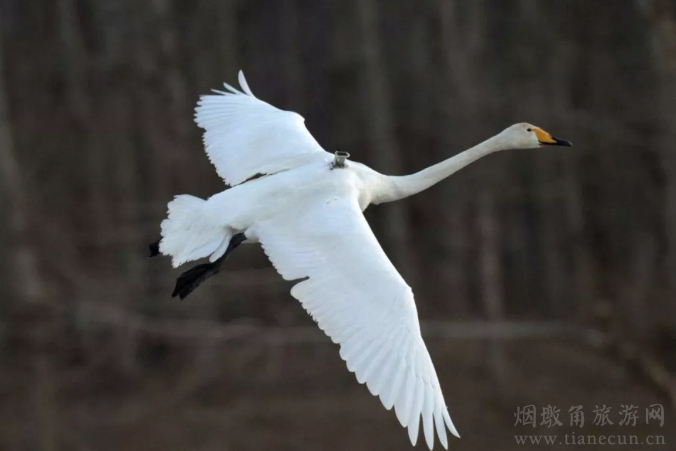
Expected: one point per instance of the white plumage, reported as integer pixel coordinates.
(308, 218)
(245, 136)
(361, 302)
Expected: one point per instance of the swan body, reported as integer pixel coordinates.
(306, 213)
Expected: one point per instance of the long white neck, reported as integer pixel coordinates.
(399, 187)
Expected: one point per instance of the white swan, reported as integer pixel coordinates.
(305, 209)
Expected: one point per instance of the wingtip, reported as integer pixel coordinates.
(413, 430)
(430, 441)
(449, 423)
(401, 415)
(413, 439)
(243, 84)
(231, 89)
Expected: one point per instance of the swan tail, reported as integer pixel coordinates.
(189, 234)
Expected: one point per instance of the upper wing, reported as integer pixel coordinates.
(359, 299)
(245, 136)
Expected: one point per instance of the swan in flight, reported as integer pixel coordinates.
(304, 206)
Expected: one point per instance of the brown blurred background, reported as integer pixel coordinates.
(543, 277)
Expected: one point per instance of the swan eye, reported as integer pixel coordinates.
(530, 129)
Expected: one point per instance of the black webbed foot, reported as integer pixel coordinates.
(154, 248)
(194, 277)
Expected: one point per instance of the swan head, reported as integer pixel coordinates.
(528, 136)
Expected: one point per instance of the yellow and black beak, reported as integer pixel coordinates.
(548, 140)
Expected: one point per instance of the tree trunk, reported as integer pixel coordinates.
(491, 281)
(26, 274)
(380, 130)
(292, 62)
(662, 17)
(457, 86)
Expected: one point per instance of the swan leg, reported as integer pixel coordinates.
(192, 278)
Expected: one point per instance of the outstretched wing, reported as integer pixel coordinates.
(358, 298)
(245, 136)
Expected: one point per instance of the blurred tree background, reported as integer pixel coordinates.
(543, 277)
